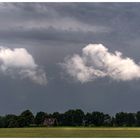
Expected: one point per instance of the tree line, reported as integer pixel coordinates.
(70, 118)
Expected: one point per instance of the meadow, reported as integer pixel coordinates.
(70, 132)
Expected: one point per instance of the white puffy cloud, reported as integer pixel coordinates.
(96, 61)
(18, 62)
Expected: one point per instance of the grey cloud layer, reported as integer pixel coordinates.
(77, 22)
(96, 61)
(72, 22)
(50, 32)
(19, 62)
(36, 21)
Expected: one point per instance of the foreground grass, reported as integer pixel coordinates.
(69, 132)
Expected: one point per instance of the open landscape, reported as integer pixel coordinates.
(69, 70)
(70, 132)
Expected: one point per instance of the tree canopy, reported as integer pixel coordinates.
(70, 118)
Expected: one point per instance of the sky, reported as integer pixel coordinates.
(60, 56)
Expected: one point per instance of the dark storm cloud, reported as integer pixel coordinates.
(78, 22)
(50, 32)
(44, 35)
(44, 22)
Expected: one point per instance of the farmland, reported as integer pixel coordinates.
(70, 132)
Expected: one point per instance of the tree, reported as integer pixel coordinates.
(126, 119)
(11, 121)
(88, 119)
(107, 120)
(39, 118)
(73, 117)
(113, 121)
(138, 118)
(97, 118)
(59, 117)
(26, 118)
(68, 118)
(120, 119)
(79, 117)
(2, 122)
(131, 119)
(22, 121)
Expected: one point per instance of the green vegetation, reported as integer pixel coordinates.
(76, 118)
(70, 132)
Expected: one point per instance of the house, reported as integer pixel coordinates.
(50, 122)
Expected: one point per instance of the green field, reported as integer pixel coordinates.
(69, 132)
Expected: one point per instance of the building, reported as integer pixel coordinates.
(50, 122)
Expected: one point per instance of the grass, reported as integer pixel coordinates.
(70, 132)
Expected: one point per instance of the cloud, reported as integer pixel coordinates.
(38, 22)
(45, 16)
(19, 62)
(97, 62)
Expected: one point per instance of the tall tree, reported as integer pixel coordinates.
(11, 120)
(107, 120)
(120, 119)
(2, 122)
(138, 118)
(26, 118)
(131, 119)
(97, 118)
(39, 118)
(59, 117)
(73, 117)
(88, 119)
